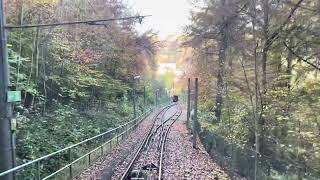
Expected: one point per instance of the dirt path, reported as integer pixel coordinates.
(182, 161)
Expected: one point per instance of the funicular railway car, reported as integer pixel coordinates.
(175, 98)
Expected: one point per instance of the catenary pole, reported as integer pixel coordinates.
(6, 140)
(195, 120)
(188, 102)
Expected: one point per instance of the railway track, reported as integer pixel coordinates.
(147, 161)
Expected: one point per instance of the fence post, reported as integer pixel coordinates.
(188, 102)
(110, 144)
(70, 162)
(39, 170)
(125, 130)
(134, 105)
(117, 135)
(195, 123)
(157, 98)
(102, 137)
(89, 158)
(144, 98)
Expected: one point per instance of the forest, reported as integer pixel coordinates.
(72, 76)
(258, 65)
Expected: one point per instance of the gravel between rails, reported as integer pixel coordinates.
(105, 167)
(152, 154)
(183, 162)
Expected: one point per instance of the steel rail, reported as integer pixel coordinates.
(162, 130)
(151, 133)
(164, 122)
(163, 144)
(144, 142)
(161, 125)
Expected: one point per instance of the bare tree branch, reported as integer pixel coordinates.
(276, 33)
(299, 57)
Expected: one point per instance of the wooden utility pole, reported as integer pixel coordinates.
(6, 140)
(188, 102)
(195, 120)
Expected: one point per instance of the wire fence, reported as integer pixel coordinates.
(76, 157)
(239, 161)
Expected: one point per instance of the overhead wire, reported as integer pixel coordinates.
(88, 22)
(36, 53)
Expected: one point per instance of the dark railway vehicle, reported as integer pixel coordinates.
(175, 98)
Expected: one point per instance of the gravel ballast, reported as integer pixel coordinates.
(119, 156)
(182, 161)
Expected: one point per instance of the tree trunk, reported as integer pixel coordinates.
(223, 45)
(257, 92)
(265, 46)
(264, 69)
(220, 80)
(44, 80)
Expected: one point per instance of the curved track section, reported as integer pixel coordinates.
(148, 160)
